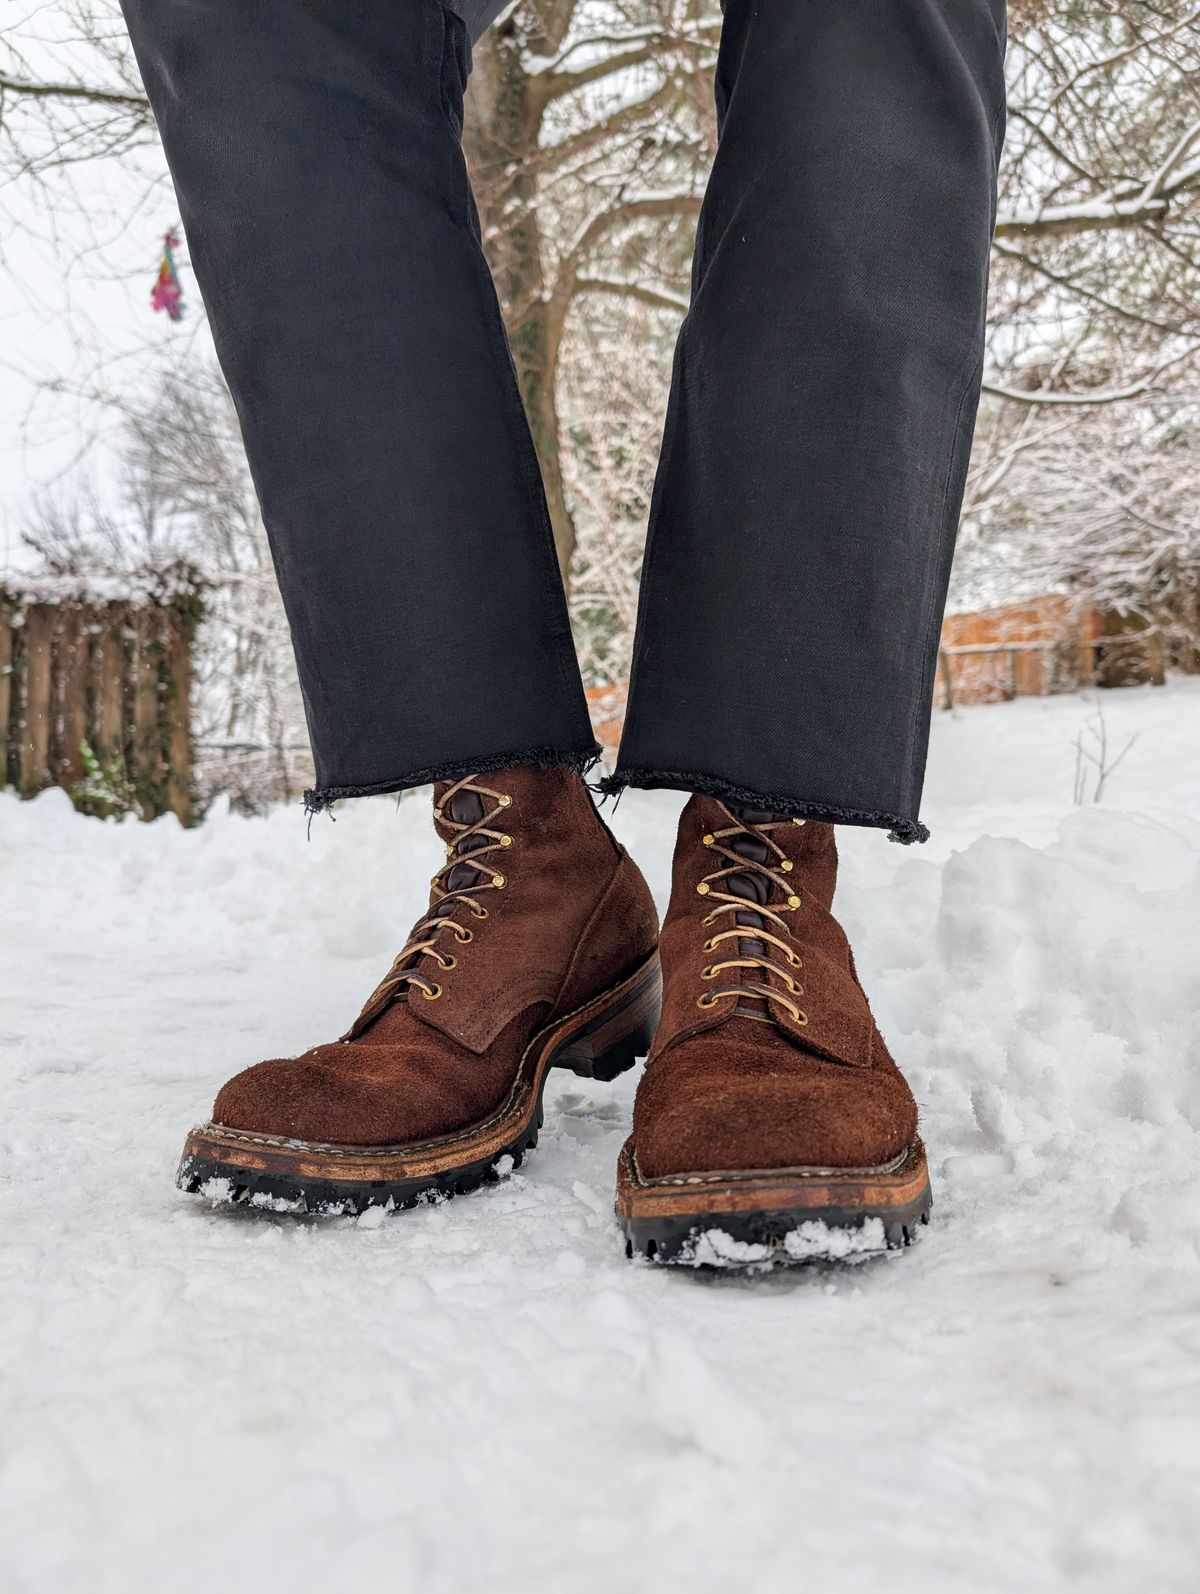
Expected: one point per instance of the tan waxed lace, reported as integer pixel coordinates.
(423, 942)
(728, 903)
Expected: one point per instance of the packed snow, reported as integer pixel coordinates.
(485, 1393)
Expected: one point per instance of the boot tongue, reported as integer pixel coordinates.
(753, 886)
(465, 808)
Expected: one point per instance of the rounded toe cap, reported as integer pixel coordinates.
(822, 1115)
(343, 1094)
(297, 1098)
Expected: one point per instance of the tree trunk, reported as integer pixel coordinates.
(1131, 653)
(501, 139)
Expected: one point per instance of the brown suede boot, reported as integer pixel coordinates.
(771, 1123)
(538, 951)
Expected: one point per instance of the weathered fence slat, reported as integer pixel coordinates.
(6, 691)
(37, 636)
(109, 722)
(179, 730)
(149, 754)
(73, 688)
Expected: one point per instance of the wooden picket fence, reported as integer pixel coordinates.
(95, 690)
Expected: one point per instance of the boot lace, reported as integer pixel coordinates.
(469, 849)
(754, 945)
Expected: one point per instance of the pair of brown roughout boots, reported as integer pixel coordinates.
(770, 1124)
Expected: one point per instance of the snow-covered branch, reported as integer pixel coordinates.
(1128, 204)
(1051, 396)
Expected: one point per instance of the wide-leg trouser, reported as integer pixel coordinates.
(820, 420)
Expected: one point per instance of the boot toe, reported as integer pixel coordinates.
(345, 1094)
(300, 1098)
(815, 1115)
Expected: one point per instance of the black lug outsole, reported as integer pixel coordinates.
(673, 1241)
(332, 1198)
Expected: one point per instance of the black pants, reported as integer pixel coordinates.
(821, 412)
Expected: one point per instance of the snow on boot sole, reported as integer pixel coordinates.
(599, 1040)
(783, 1216)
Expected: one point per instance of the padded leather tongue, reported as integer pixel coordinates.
(754, 887)
(465, 808)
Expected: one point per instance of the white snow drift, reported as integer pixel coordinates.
(485, 1394)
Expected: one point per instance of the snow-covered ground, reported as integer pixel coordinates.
(486, 1394)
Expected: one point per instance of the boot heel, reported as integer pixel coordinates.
(613, 1039)
(620, 1058)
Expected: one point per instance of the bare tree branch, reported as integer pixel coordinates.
(138, 103)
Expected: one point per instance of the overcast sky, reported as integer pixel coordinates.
(78, 258)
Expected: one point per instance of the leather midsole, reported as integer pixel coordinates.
(871, 1190)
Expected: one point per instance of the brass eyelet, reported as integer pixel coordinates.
(707, 1000)
(506, 841)
(710, 946)
(799, 821)
(708, 974)
(793, 902)
(432, 994)
(505, 800)
(437, 813)
(787, 866)
(499, 882)
(708, 840)
(449, 961)
(462, 935)
(480, 913)
(797, 963)
(702, 889)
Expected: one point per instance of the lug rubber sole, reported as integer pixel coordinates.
(751, 1220)
(599, 1040)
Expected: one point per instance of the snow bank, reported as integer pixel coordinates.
(485, 1392)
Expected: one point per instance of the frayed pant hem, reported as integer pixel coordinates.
(905, 831)
(321, 798)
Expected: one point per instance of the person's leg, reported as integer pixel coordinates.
(315, 152)
(824, 395)
(803, 523)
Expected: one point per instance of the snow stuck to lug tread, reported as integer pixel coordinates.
(809, 1242)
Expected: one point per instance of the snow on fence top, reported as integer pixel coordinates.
(149, 586)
